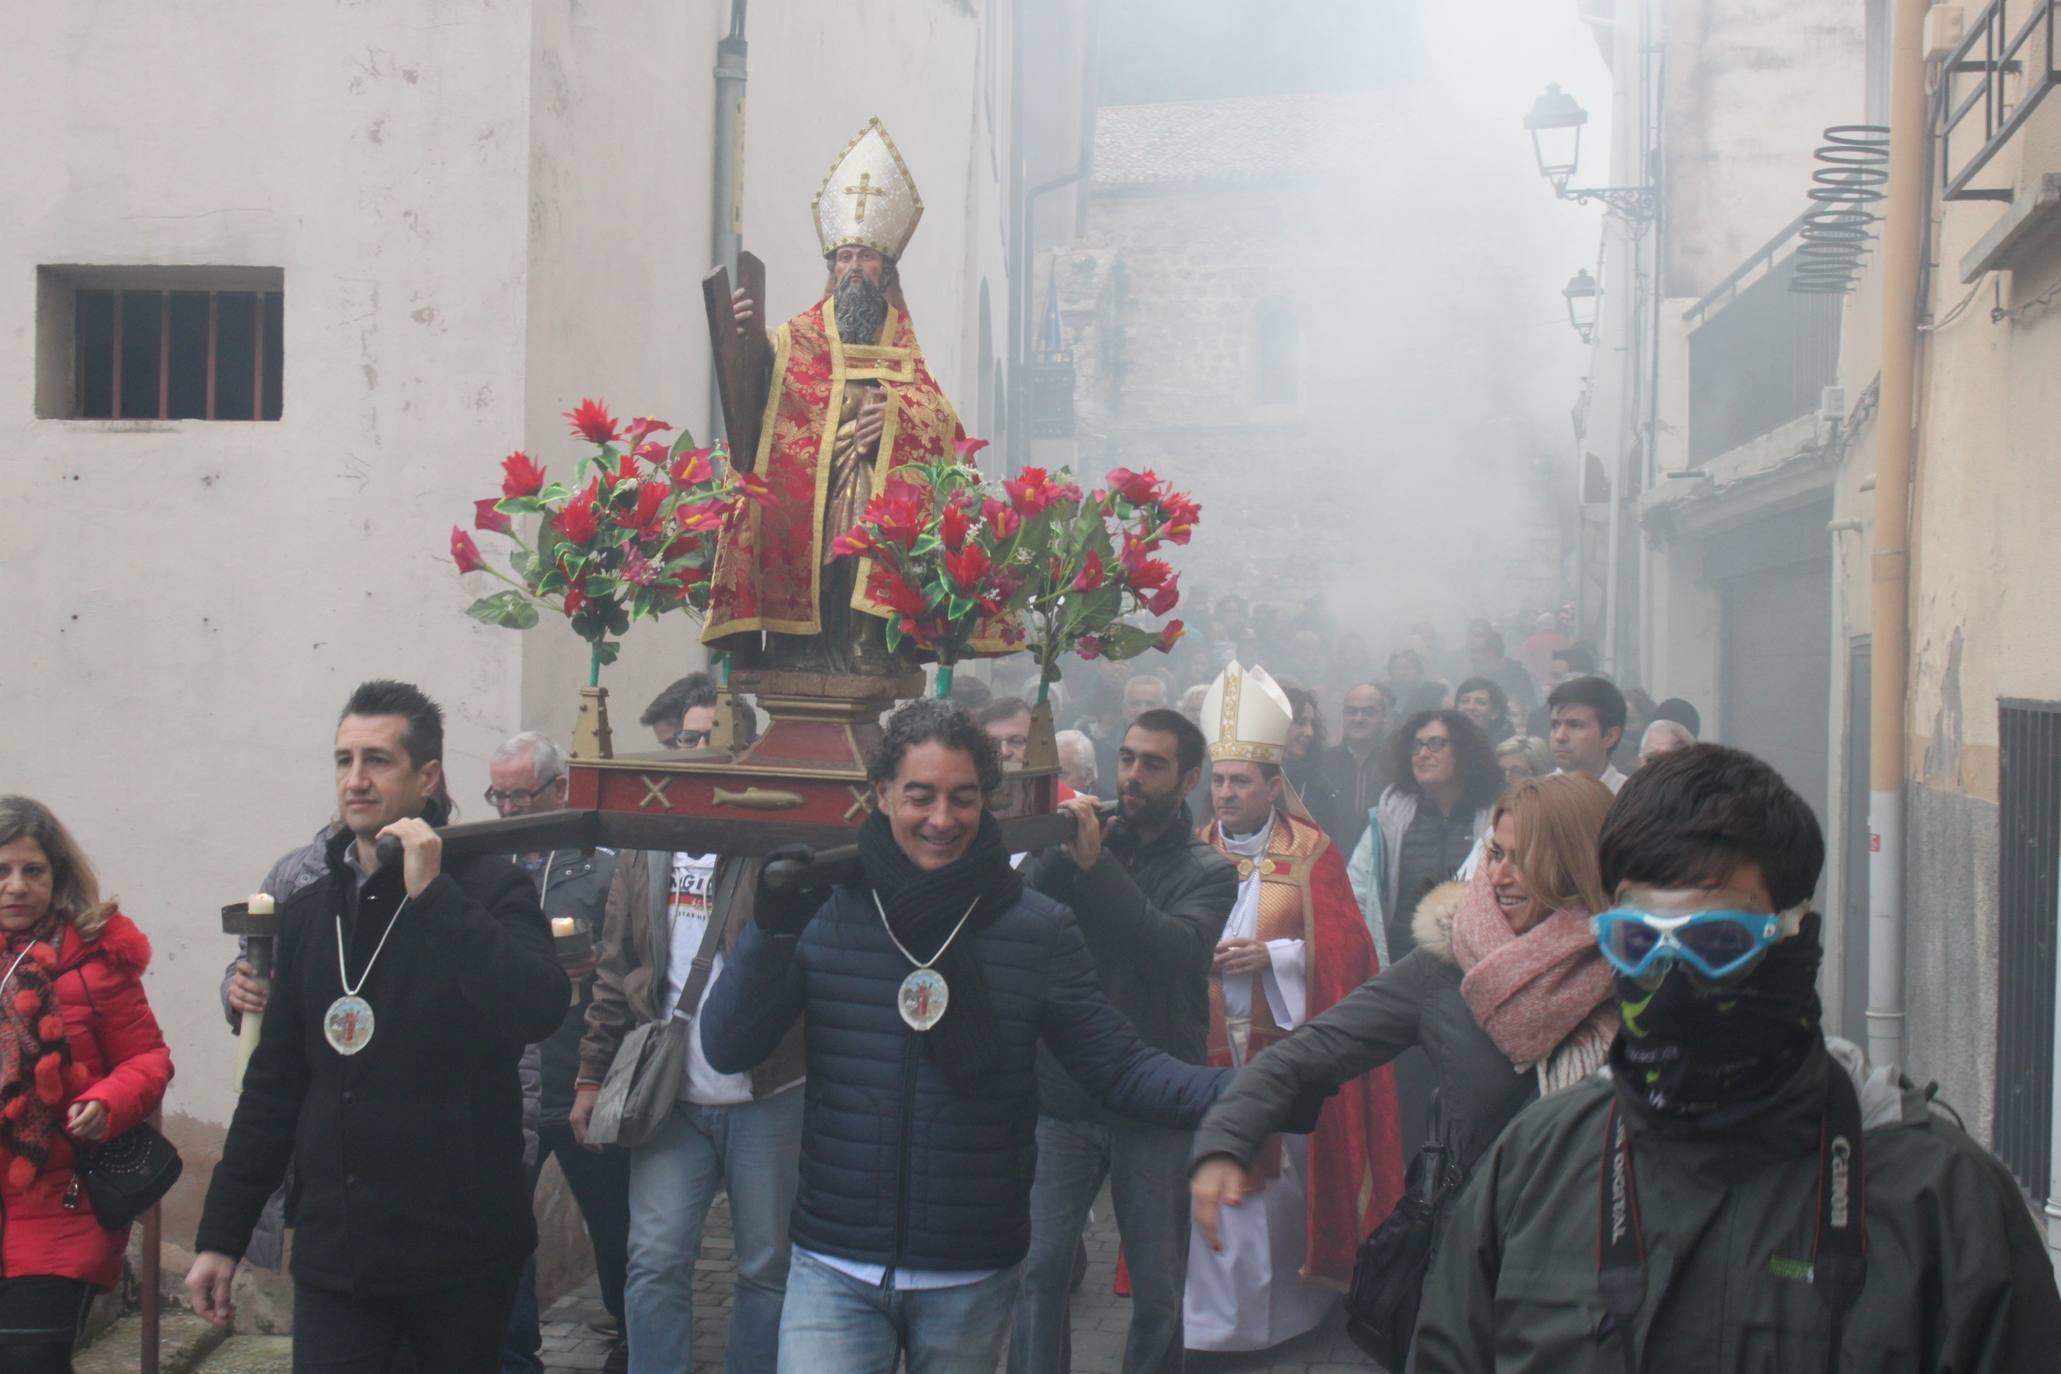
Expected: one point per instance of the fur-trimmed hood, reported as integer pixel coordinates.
(115, 936)
(1432, 922)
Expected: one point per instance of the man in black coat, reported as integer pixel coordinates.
(1152, 900)
(400, 1005)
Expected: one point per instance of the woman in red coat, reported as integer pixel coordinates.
(81, 1062)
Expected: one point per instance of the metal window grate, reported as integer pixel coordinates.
(171, 354)
(2029, 858)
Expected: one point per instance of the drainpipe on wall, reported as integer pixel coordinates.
(2053, 1208)
(1903, 223)
(726, 235)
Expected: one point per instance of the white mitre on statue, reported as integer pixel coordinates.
(1247, 716)
(868, 198)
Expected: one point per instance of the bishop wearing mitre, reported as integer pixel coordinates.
(1293, 946)
(851, 399)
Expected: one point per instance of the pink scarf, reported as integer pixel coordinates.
(1530, 992)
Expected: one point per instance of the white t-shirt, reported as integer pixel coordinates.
(689, 914)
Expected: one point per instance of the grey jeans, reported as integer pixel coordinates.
(1147, 1169)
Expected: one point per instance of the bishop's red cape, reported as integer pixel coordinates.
(1355, 1155)
(769, 561)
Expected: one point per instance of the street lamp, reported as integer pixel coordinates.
(1580, 292)
(1555, 122)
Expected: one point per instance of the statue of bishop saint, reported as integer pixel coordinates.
(850, 400)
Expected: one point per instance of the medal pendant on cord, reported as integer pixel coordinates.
(348, 1025)
(923, 999)
(924, 994)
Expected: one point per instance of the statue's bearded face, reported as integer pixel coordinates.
(859, 278)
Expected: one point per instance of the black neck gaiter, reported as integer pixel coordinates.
(1711, 1054)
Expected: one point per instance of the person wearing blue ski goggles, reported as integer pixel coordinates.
(1715, 944)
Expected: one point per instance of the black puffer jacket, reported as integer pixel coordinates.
(897, 1169)
(1152, 915)
(408, 1155)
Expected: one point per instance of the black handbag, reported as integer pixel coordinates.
(125, 1177)
(1388, 1271)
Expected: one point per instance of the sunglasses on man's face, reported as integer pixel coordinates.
(691, 739)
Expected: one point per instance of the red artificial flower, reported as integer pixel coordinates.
(578, 523)
(653, 453)
(524, 478)
(639, 569)
(574, 599)
(1145, 574)
(704, 515)
(857, 542)
(1030, 492)
(692, 468)
(464, 552)
(967, 567)
(753, 487)
(967, 448)
(898, 514)
(1092, 574)
(647, 519)
(592, 422)
(1001, 517)
(1169, 635)
(954, 525)
(485, 517)
(1138, 488)
(1181, 514)
(1088, 647)
(891, 590)
(643, 428)
(1166, 598)
(1008, 582)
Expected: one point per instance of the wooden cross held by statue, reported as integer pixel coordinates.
(743, 362)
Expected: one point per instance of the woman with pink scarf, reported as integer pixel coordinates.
(1506, 992)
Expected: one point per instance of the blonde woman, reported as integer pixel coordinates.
(1505, 991)
(81, 1062)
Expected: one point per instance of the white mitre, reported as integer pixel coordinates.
(1247, 716)
(868, 198)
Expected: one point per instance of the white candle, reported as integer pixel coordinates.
(562, 926)
(260, 904)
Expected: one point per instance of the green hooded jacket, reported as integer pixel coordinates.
(1958, 1279)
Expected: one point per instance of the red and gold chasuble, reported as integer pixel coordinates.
(1355, 1155)
(769, 563)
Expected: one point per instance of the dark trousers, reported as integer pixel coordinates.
(449, 1330)
(600, 1184)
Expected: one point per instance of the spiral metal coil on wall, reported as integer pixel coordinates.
(1840, 226)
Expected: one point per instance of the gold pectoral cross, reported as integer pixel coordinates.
(864, 189)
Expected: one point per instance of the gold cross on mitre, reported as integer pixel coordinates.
(867, 197)
(864, 189)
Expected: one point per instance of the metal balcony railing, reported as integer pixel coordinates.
(1994, 80)
(1762, 351)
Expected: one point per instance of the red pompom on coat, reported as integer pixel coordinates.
(119, 1059)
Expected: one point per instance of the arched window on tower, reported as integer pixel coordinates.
(1277, 350)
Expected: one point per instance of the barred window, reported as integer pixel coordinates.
(160, 343)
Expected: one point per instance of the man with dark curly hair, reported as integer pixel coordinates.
(925, 986)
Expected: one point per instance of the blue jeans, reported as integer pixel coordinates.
(836, 1322)
(519, 1350)
(753, 1152)
(1147, 1169)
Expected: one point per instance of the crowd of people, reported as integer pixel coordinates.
(1526, 1053)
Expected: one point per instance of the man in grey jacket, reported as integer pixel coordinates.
(1152, 900)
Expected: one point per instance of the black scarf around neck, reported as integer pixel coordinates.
(922, 908)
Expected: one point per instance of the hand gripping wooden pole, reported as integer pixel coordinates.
(257, 920)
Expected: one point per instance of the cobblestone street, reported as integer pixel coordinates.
(1099, 1320)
